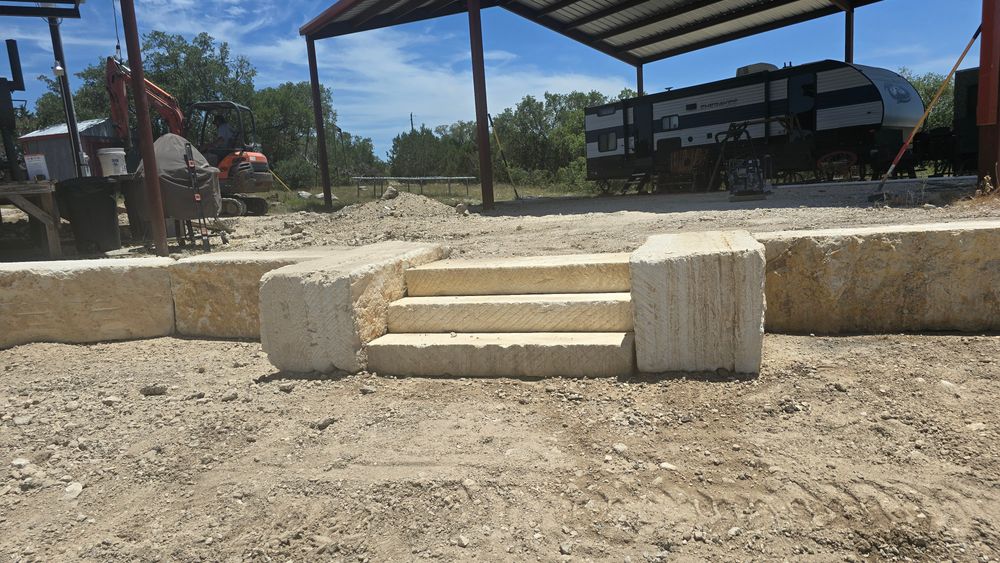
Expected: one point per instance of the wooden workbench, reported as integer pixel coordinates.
(21, 193)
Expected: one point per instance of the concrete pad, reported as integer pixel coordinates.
(566, 312)
(582, 273)
(698, 300)
(85, 300)
(942, 276)
(535, 354)
(217, 295)
(319, 315)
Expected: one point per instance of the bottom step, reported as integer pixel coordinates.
(534, 354)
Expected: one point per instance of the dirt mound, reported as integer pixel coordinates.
(403, 205)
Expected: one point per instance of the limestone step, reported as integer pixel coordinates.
(583, 273)
(565, 312)
(535, 354)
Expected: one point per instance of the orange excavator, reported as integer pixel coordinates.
(226, 135)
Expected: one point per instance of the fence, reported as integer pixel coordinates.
(379, 183)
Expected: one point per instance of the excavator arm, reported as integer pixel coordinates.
(117, 78)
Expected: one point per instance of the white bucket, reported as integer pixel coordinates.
(112, 161)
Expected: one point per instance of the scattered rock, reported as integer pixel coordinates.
(838, 386)
(462, 209)
(668, 466)
(976, 426)
(734, 531)
(73, 490)
(22, 420)
(230, 395)
(20, 463)
(304, 194)
(390, 193)
(286, 387)
(153, 390)
(463, 541)
(367, 389)
(111, 400)
(619, 448)
(72, 406)
(566, 548)
(322, 423)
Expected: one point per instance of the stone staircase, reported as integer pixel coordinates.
(520, 317)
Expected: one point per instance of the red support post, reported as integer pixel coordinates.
(145, 128)
(324, 166)
(988, 108)
(482, 115)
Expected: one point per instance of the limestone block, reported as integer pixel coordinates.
(566, 312)
(583, 273)
(85, 300)
(319, 315)
(535, 354)
(943, 276)
(217, 295)
(698, 301)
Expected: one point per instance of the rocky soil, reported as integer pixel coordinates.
(843, 449)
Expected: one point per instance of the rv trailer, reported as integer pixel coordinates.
(795, 120)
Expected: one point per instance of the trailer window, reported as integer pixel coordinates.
(606, 110)
(671, 122)
(607, 142)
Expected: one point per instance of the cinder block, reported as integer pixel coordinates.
(899, 278)
(319, 315)
(535, 354)
(581, 273)
(85, 300)
(217, 295)
(565, 312)
(698, 302)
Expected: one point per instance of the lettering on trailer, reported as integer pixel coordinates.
(719, 104)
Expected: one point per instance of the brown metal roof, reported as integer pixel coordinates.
(634, 31)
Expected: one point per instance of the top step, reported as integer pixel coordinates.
(579, 273)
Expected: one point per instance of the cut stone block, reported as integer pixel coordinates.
(217, 295)
(567, 312)
(584, 273)
(943, 276)
(534, 354)
(85, 300)
(698, 301)
(319, 315)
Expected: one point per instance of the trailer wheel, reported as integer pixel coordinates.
(604, 186)
(836, 163)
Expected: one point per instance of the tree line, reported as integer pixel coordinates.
(539, 141)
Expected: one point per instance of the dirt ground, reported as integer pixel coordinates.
(574, 225)
(852, 448)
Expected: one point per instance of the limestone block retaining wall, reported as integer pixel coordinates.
(85, 300)
(698, 302)
(900, 278)
(217, 295)
(319, 315)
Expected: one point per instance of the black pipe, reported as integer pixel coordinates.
(79, 157)
(16, 76)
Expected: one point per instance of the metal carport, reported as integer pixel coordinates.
(635, 32)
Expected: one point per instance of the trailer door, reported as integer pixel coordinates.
(802, 100)
(641, 130)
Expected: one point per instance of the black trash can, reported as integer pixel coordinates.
(91, 206)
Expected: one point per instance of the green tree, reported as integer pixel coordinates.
(197, 70)
(927, 85)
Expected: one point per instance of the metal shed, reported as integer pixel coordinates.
(54, 143)
(633, 31)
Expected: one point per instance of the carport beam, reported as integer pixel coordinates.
(482, 116)
(324, 166)
(849, 36)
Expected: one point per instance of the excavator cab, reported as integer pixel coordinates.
(226, 133)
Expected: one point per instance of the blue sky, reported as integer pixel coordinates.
(379, 77)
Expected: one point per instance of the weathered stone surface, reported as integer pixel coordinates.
(698, 301)
(319, 315)
(535, 354)
(943, 276)
(582, 273)
(566, 312)
(217, 295)
(85, 300)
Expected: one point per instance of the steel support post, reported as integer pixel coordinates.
(849, 36)
(482, 117)
(638, 81)
(317, 100)
(988, 108)
(79, 157)
(145, 128)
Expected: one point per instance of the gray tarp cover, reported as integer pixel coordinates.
(175, 183)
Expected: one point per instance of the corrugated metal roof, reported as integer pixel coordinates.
(635, 31)
(93, 126)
